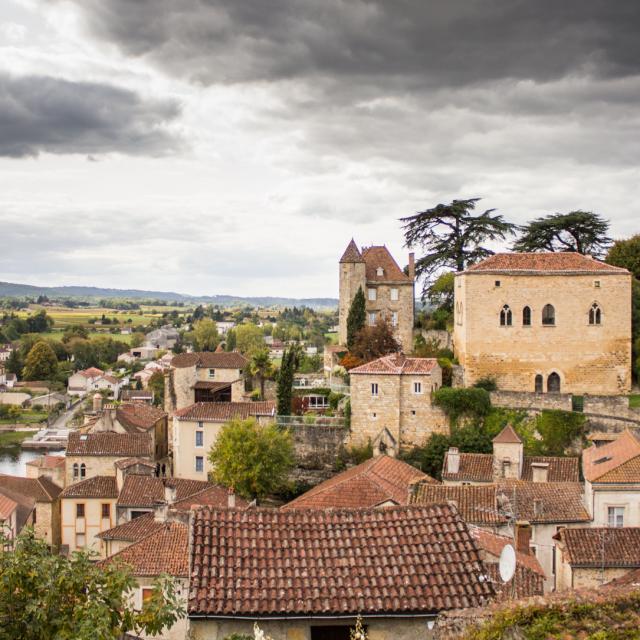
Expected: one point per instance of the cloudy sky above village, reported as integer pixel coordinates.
(205, 146)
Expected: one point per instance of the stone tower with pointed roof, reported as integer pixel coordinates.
(388, 291)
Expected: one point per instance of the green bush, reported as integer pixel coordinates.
(487, 383)
(334, 399)
(464, 402)
(559, 430)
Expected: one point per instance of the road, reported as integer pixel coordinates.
(62, 420)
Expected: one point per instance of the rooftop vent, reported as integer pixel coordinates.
(603, 459)
(84, 436)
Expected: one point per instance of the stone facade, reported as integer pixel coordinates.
(94, 465)
(499, 330)
(80, 533)
(388, 291)
(386, 408)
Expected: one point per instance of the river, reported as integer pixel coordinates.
(13, 460)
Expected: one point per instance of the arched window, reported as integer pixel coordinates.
(526, 316)
(75, 470)
(595, 314)
(548, 315)
(83, 470)
(539, 384)
(553, 383)
(506, 317)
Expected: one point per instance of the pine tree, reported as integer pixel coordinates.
(356, 318)
(285, 382)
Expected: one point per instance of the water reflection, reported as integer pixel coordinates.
(13, 459)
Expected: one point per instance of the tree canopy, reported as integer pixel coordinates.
(261, 367)
(375, 341)
(44, 594)
(452, 237)
(254, 460)
(581, 231)
(41, 362)
(626, 254)
(284, 391)
(356, 317)
(249, 338)
(205, 335)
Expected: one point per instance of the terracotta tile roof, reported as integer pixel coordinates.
(40, 489)
(211, 385)
(132, 531)
(213, 496)
(493, 545)
(474, 467)
(543, 502)
(225, 411)
(629, 579)
(375, 257)
(7, 506)
(24, 505)
(397, 364)
(109, 443)
(132, 395)
(478, 467)
(560, 469)
(111, 379)
(351, 253)
(96, 487)
(139, 415)
(583, 546)
(476, 503)
(125, 463)
(145, 491)
(210, 360)
(262, 562)
(609, 462)
(508, 436)
(164, 550)
(47, 462)
(91, 372)
(561, 262)
(375, 481)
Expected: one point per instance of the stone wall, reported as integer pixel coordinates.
(443, 339)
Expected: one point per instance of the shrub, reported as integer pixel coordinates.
(334, 399)
(465, 402)
(559, 430)
(488, 383)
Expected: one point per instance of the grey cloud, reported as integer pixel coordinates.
(45, 114)
(413, 43)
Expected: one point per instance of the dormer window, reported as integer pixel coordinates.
(379, 272)
(212, 373)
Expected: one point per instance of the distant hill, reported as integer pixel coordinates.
(13, 290)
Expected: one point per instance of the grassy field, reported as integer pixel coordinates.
(57, 335)
(27, 417)
(331, 337)
(13, 438)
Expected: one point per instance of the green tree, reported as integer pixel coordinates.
(581, 231)
(284, 389)
(441, 292)
(137, 339)
(249, 339)
(356, 317)
(156, 384)
(230, 342)
(375, 342)
(253, 459)
(205, 335)
(41, 363)
(626, 254)
(14, 362)
(261, 367)
(44, 594)
(84, 354)
(452, 236)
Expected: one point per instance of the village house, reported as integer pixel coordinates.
(589, 558)
(37, 504)
(164, 338)
(13, 516)
(314, 571)
(612, 481)
(544, 323)
(381, 481)
(507, 461)
(196, 428)
(204, 377)
(137, 395)
(5, 352)
(388, 291)
(7, 380)
(47, 466)
(391, 402)
(81, 382)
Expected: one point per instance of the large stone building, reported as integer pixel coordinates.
(545, 322)
(388, 291)
(391, 402)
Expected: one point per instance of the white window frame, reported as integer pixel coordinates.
(372, 294)
(417, 388)
(373, 317)
(212, 373)
(375, 390)
(394, 294)
(195, 462)
(201, 434)
(615, 515)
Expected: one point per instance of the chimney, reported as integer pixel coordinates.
(169, 493)
(231, 498)
(453, 460)
(412, 266)
(97, 403)
(537, 507)
(523, 537)
(540, 471)
(160, 511)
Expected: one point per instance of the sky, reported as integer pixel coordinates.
(212, 147)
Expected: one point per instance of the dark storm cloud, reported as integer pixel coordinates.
(413, 43)
(44, 114)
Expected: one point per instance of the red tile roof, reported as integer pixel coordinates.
(560, 469)
(132, 531)
(164, 550)
(351, 253)
(508, 436)
(269, 562)
(629, 579)
(139, 415)
(474, 467)
(493, 544)
(375, 257)
(616, 461)
(145, 491)
(47, 462)
(210, 360)
(125, 463)
(225, 411)
(96, 487)
(561, 262)
(7, 506)
(109, 443)
(376, 481)
(397, 364)
(91, 372)
(40, 489)
(584, 546)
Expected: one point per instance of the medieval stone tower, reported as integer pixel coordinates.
(352, 276)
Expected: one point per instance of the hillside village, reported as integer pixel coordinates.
(418, 453)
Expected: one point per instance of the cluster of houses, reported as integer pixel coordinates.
(381, 539)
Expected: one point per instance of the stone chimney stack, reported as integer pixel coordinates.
(412, 266)
(453, 460)
(540, 471)
(160, 511)
(523, 537)
(97, 402)
(231, 499)
(169, 492)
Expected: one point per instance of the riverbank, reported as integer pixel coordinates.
(13, 438)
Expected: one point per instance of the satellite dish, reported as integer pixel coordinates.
(507, 564)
